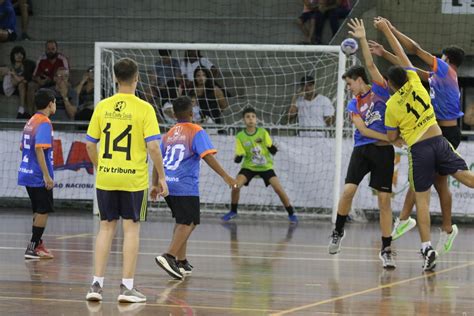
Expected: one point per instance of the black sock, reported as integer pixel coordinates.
(37, 233)
(290, 210)
(233, 207)
(340, 221)
(386, 242)
(183, 261)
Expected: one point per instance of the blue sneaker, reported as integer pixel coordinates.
(227, 217)
(293, 219)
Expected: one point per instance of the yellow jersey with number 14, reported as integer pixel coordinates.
(410, 110)
(123, 124)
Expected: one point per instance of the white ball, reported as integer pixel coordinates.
(349, 46)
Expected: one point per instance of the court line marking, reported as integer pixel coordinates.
(380, 287)
(73, 236)
(328, 258)
(238, 309)
(290, 245)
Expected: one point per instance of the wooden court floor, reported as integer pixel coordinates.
(254, 266)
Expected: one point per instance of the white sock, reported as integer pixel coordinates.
(128, 283)
(425, 245)
(403, 221)
(98, 279)
(21, 109)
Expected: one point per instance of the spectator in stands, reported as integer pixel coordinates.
(45, 71)
(193, 60)
(167, 72)
(312, 108)
(23, 7)
(469, 110)
(209, 96)
(169, 95)
(7, 21)
(66, 97)
(167, 68)
(307, 20)
(332, 10)
(85, 92)
(197, 117)
(17, 77)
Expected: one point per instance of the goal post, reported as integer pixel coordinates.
(265, 77)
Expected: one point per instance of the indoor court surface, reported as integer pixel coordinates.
(252, 266)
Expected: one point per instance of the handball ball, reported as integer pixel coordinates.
(349, 46)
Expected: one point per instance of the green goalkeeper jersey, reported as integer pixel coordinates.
(254, 149)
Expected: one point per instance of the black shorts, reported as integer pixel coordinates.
(378, 160)
(186, 210)
(306, 16)
(41, 200)
(452, 134)
(124, 204)
(265, 175)
(431, 156)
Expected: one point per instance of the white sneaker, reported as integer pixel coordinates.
(402, 227)
(445, 242)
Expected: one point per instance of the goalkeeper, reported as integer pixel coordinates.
(255, 147)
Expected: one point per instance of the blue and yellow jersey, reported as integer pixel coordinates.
(183, 147)
(37, 133)
(444, 91)
(371, 109)
(123, 124)
(410, 109)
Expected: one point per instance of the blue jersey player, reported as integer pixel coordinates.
(183, 147)
(372, 152)
(36, 170)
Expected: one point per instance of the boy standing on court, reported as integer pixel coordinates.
(183, 147)
(36, 170)
(127, 130)
(255, 148)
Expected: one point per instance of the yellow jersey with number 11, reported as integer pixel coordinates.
(123, 124)
(410, 110)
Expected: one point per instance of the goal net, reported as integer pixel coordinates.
(265, 77)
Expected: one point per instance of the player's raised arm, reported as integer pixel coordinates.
(378, 50)
(381, 25)
(410, 45)
(358, 31)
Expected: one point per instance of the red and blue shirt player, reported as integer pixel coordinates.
(36, 169)
(37, 133)
(182, 148)
(370, 107)
(444, 91)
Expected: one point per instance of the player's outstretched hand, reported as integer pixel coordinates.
(358, 29)
(48, 182)
(154, 192)
(389, 24)
(376, 48)
(163, 188)
(231, 182)
(380, 24)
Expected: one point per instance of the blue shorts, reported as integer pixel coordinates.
(431, 156)
(124, 204)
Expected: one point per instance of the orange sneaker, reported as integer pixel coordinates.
(43, 252)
